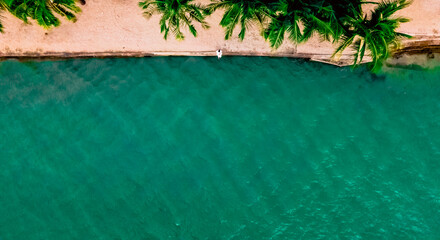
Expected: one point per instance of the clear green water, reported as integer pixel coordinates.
(196, 148)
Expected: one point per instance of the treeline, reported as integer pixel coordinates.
(341, 21)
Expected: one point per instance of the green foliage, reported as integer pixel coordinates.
(243, 12)
(375, 32)
(289, 15)
(333, 20)
(301, 19)
(175, 14)
(43, 11)
(329, 18)
(2, 8)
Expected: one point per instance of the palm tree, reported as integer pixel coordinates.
(287, 19)
(43, 11)
(376, 32)
(244, 12)
(329, 18)
(175, 14)
(290, 15)
(301, 19)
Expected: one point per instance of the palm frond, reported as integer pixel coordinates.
(175, 15)
(240, 12)
(275, 33)
(3, 6)
(375, 32)
(347, 40)
(43, 11)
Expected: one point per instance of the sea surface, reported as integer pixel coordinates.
(197, 148)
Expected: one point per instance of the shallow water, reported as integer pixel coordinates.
(196, 148)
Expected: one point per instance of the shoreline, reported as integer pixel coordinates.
(399, 58)
(118, 29)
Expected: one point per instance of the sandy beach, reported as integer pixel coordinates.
(117, 28)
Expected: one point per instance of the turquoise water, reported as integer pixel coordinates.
(196, 148)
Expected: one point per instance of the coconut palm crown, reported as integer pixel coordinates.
(375, 32)
(243, 12)
(43, 11)
(175, 14)
(330, 18)
(290, 15)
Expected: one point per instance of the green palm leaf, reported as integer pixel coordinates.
(243, 12)
(175, 15)
(376, 32)
(3, 6)
(329, 19)
(275, 33)
(43, 11)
